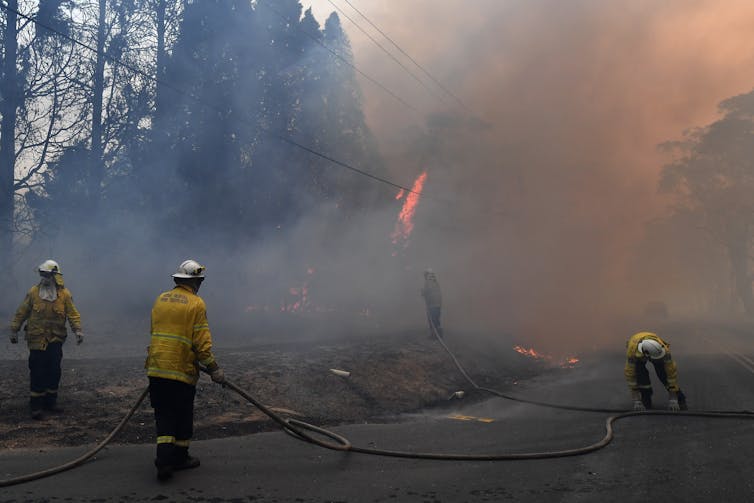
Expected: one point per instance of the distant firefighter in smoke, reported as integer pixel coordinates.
(646, 347)
(46, 308)
(433, 301)
(180, 341)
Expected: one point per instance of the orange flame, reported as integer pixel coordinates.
(405, 224)
(400, 194)
(530, 352)
(570, 363)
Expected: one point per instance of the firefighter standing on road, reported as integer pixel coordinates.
(646, 347)
(45, 310)
(180, 341)
(433, 301)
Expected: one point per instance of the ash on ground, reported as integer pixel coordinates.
(389, 375)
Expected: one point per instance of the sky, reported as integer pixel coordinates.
(575, 98)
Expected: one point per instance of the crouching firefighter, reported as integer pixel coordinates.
(46, 308)
(181, 341)
(646, 347)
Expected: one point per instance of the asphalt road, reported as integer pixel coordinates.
(657, 458)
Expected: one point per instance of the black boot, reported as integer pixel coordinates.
(36, 404)
(183, 461)
(164, 460)
(51, 403)
(646, 398)
(682, 401)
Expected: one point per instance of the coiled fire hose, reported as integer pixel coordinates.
(299, 429)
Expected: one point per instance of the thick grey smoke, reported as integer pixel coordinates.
(534, 201)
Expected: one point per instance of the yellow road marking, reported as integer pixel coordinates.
(461, 417)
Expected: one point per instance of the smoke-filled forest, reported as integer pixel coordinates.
(577, 163)
(138, 133)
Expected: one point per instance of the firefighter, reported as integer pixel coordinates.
(433, 301)
(646, 347)
(181, 341)
(45, 310)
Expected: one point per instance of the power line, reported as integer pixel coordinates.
(217, 108)
(184, 92)
(341, 58)
(395, 44)
(405, 68)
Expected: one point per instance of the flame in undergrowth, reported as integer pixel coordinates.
(568, 362)
(405, 223)
(400, 194)
(295, 301)
(530, 352)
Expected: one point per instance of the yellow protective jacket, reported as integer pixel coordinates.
(45, 320)
(180, 337)
(633, 356)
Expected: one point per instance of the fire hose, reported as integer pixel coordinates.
(300, 430)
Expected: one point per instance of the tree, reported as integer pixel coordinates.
(713, 177)
(39, 78)
(10, 88)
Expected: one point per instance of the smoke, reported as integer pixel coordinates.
(537, 192)
(575, 97)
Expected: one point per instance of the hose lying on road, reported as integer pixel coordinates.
(81, 459)
(299, 429)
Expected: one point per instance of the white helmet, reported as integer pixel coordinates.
(651, 348)
(49, 266)
(428, 272)
(190, 269)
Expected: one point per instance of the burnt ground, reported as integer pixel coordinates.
(390, 375)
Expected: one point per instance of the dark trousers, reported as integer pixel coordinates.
(433, 315)
(645, 385)
(173, 403)
(44, 376)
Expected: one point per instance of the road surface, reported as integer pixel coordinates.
(651, 458)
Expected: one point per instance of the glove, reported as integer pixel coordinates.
(218, 376)
(13, 337)
(79, 337)
(673, 405)
(638, 404)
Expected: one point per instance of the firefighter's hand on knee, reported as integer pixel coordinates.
(639, 406)
(79, 337)
(13, 337)
(673, 405)
(218, 376)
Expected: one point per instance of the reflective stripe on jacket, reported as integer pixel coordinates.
(180, 337)
(633, 356)
(45, 320)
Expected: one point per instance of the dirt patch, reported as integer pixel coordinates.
(390, 375)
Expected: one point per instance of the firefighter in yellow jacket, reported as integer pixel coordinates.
(181, 341)
(646, 347)
(45, 310)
